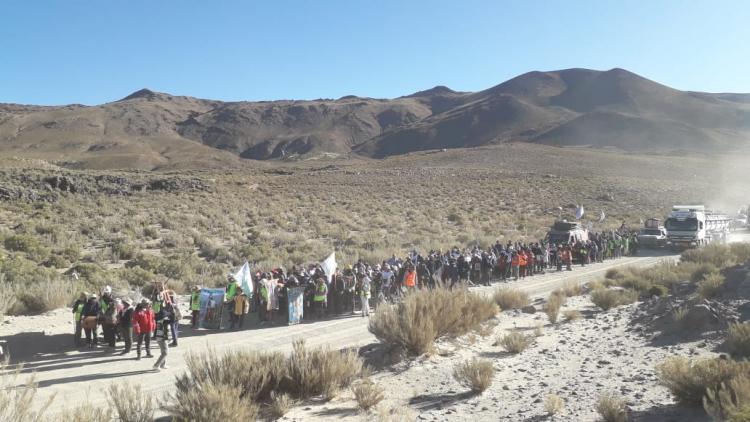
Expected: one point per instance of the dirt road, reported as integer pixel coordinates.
(84, 375)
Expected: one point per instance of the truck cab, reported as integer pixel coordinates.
(567, 232)
(653, 234)
(692, 225)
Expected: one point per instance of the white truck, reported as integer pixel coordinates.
(693, 225)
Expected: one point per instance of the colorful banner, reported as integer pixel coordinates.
(212, 306)
(296, 299)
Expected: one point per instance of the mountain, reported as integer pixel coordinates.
(152, 130)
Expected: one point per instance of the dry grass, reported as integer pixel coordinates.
(475, 374)
(210, 403)
(320, 371)
(688, 381)
(731, 401)
(514, 342)
(607, 299)
(424, 316)
(17, 397)
(738, 340)
(571, 315)
(552, 308)
(280, 405)
(131, 403)
(554, 405)
(367, 394)
(571, 288)
(710, 286)
(612, 408)
(510, 298)
(87, 413)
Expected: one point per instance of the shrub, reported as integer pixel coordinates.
(367, 393)
(426, 315)
(123, 249)
(553, 305)
(280, 405)
(658, 290)
(738, 340)
(7, 297)
(508, 298)
(515, 342)
(553, 404)
(688, 381)
(710, 286)
(46, 295)
(211, 402)
(475, 374)
(571, 288)
(731, 401)
(613, 274)
(321, 370)
(700, 271)
(572, 315)
(87, 413)
(607, 299)
(612, 408)
(131, 403)
(17, 397)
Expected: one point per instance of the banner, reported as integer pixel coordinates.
(329, 266)
(602, 216)
(296, 299)
(212, 306)
(245, 279)
(579, 212)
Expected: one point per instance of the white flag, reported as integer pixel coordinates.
(579, 212)
(329, 265)
(602, 216)
(245, 279)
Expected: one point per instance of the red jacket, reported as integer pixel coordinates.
(143, 321)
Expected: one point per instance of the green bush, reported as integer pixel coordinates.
(688, 381)
(658, 290)
(607, 299)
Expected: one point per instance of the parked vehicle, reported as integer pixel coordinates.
(653, 234)
(693, 225)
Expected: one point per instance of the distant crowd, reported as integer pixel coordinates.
(354, 289)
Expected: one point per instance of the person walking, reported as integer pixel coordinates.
(143, 325)
(161, 339)
(125, 325)
(241, 308)
(77, 316)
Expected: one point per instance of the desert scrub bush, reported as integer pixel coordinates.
(18, 397)
(612, 408)
(7, 297)
(87, 413)
(553, 305)
(210, 403)
(738, 340)
(571, 288)
(514, 342)
(509, 298)
(553, 405)
(688, 381)
(721, 256)
(367, 394)
(151, 232)
(572, 315)
(280, 404)
(658, 290)
(124, 249)
(46, 295)
(136, 276)
(423, 316)
(710, 286)
(699, 271)
(475, 374)
(131, 403)
(607, 299)
(731, 401)
(255, 374)
(320, 371)
(613, 274)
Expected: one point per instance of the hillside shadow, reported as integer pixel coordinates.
(669, 413)
(426, 402)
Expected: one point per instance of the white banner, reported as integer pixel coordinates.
(602, 216)
(329, 265)
(245, 279)
(579, 212)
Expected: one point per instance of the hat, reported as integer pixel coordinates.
(93, 296)
(83, 295)
(126, 301)
(145, 301)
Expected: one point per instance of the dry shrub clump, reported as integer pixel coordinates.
(313, 372)
(280, 404)
(572, 315)
(607, 299)
(17, 397)
(612, 408)
(131, 403)
(508, 298)
(553, 404)
(367, 393)
(710, 286)
(553, 305)
(213, 402)
(7, 296)
(514, 342)
(738, 340)
(571, 288)
(87, 413)
(688, 381)
(475, 374)
(731, 401)
(426, 315)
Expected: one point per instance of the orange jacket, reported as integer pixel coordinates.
(522, 259)
(410, 278)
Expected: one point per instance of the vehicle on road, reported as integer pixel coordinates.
(653, 234)
(690, 226)
(564, 231)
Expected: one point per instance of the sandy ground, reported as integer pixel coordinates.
(577, 360)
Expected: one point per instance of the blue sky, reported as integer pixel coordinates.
(71, 51)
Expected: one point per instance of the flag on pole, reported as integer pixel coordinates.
(329, 265)
(245, 279)
(579, 212)
(602, 216)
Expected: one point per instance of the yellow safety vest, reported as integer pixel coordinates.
(79, 311)
(320, 294)
(195, 302)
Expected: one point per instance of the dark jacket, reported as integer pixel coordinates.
(91, 308)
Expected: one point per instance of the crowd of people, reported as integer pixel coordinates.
(353, 289)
